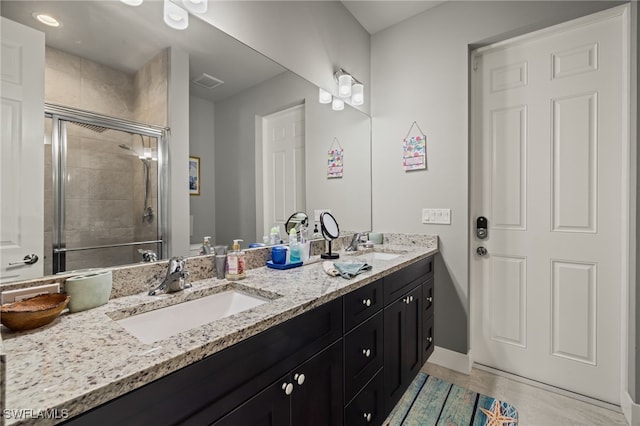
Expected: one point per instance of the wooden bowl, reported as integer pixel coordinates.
(33, 312)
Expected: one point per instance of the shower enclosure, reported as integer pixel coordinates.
(105, 186)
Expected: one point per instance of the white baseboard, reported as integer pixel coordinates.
(452, 360)
(630, 409)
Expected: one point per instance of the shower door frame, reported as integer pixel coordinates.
(59, 115)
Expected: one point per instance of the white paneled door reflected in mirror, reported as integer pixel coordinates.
(112, 59)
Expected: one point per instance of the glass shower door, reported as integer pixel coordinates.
(104, 191)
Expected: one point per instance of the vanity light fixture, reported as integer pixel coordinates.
(175, 16)
(132, 2)
(47, 19)
(324, 97)
(196, 6)
(348, 88)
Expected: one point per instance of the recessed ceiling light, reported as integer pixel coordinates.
(47, 20)
(132, 2)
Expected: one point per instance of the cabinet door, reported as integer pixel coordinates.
(412, 348)
(317, 397)
(367, 408)
(269, 408)
(394, 326)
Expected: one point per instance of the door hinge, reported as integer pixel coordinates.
(475, 64)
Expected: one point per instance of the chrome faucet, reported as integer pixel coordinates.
(174, 281)
(357, 237)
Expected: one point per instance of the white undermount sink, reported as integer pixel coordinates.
(384, 256)
(159, 324)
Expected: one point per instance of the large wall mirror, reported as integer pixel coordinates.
(261, 136)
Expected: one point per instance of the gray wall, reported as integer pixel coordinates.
(420, 72)
(236, 167)
(201, 131)
(634, 296)
(311, 38)
(178, 120)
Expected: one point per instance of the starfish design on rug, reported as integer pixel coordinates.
(495, 416)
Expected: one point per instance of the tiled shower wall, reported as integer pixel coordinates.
(105, 190)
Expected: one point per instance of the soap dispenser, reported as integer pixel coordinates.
(206, 246)
(294, 247)
(235, 262)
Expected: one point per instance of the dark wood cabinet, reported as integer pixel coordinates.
(367, 409)
(403, 344)
(269, 408)
(360, 304)
(310, 394)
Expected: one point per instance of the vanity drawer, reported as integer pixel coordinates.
(402, 281)
(428, 300)
(367, 408)
(360, 304)
(363, 351)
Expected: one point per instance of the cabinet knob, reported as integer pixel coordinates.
(366, 352)
(299, 378)
(429, 339)
(410, 298)
(368, 417)
(366, 302)
(429, 299)
(287, 388)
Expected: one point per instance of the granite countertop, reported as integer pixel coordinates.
(85, 359)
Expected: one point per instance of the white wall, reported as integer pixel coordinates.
(178, 119)
(420, 72)
(311, 38)
(201, 144)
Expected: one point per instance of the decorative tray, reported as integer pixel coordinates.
(270, 264)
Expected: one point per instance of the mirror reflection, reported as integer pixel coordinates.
(112, 59)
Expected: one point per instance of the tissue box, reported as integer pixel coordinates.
(88, 291)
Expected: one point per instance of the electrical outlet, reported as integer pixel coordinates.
(24, 293)
(317, 213)
(436, 216)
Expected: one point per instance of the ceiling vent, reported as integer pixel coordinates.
(207, 81)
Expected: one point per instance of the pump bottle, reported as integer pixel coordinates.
(235, 262)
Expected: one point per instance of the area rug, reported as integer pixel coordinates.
(432, 401)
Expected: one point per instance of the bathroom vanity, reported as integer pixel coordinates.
(323, 350)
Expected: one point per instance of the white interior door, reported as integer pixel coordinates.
(546, 297)
(21, 151)
(283, 154)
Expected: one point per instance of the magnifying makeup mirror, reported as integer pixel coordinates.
(297, 221)
(330, 232)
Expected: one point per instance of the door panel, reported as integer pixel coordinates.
(21, 151)
(546, 298)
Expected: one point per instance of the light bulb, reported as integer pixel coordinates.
(337, 104)
(344, 86)
(324, 97)
(357, 94)
(175, 16)
(196, 6)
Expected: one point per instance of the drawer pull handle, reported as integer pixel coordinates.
(367, 417)
(366, 302)
(366, 352)
(299, 378)
(429, 299)
(287, 388)
(429, 339)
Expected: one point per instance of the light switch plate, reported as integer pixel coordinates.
(436, 216)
